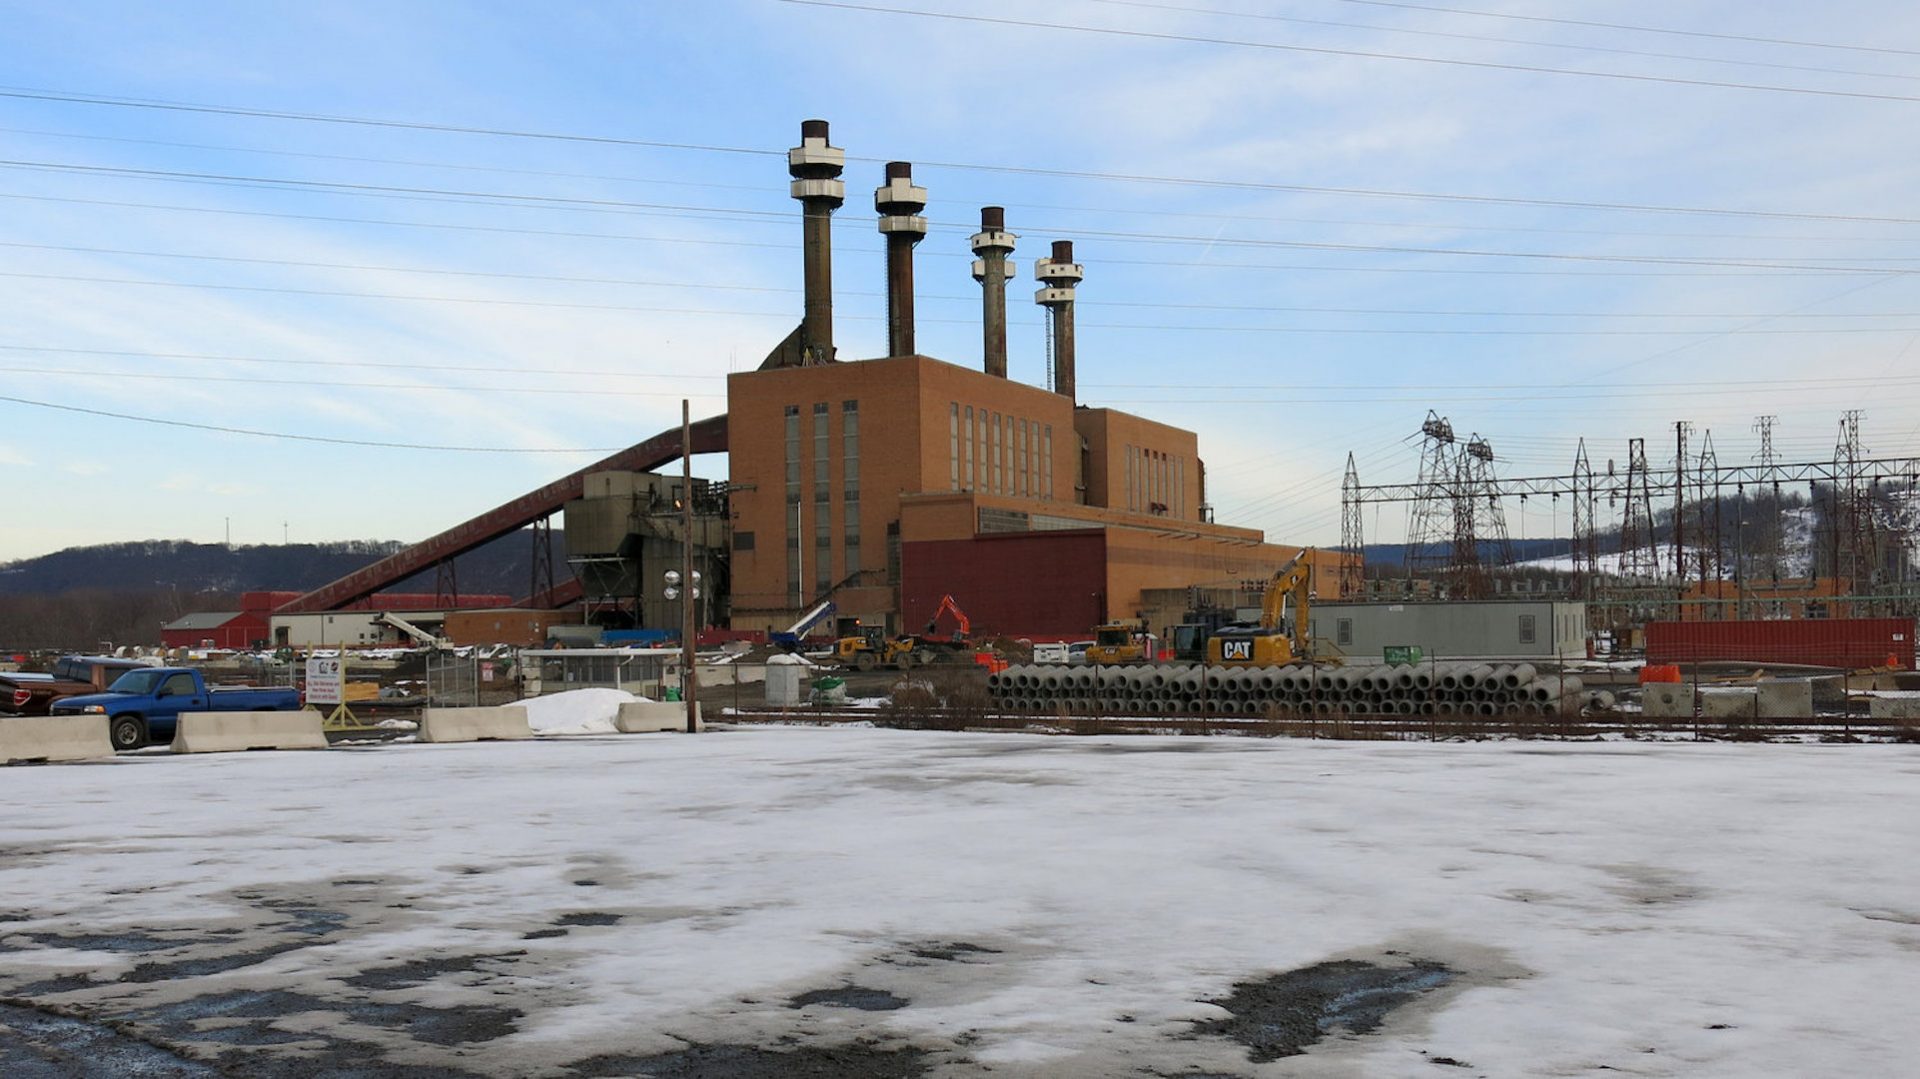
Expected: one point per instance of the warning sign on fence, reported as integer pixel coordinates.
(324, 681)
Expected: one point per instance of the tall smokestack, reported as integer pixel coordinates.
(993, 243)
(1058, 277)
(815, 167)
(900, 203)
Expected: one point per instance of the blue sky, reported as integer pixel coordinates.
(420, 313)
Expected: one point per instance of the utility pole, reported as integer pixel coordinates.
(689, 678)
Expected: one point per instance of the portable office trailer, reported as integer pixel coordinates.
(1491, 629)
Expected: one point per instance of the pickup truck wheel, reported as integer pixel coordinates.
(128, 732)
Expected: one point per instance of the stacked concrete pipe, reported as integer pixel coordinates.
(1477, 689)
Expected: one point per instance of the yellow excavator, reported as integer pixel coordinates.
(1280, 637)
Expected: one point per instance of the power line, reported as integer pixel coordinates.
(1183, 328)
(157, 421)
(1209, 264)
(1637, 29)
(1157, 211)
(710, 286)
(1320, 50)
(1266, 16)
(1189, 181)
(1372, 396)
(1659, 388)
(409, 387)
(770, 216)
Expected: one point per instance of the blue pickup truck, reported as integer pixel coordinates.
(143, 706)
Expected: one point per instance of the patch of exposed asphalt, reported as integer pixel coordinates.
(421, 971)
(63, 983)
(543, 934)
(199, 968)
(950, 952)
(132, 940)
(438, 1026)
(860, 997)
(303, 921)
(1281, 1015)
(591, 917)
(859, 1060)
(40, 1043)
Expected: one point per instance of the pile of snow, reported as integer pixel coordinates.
(577, 711)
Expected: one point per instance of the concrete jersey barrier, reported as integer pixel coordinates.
(53, 738)
(504, 723)
(646, 717)
(232, 732)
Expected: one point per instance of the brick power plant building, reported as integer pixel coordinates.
(884, 484)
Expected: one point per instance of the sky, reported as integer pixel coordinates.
(1304, 225)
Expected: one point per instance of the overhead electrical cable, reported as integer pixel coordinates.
(1204, 328)
(1085, 174)
(770, 216)
(1533, 43)
(1208, 264)
(1637, 29)
(1322, 50)
(841, 222)
(328, 439)
(702, 286)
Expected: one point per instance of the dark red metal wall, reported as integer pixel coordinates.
(1827, 642)
(1043, 585)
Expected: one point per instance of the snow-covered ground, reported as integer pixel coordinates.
(1038, 906)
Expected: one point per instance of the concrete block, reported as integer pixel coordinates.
(1666, 700)
(504, 723)
(646, 717)
(1729, 702)
(232, 732)
(1894, 708)
(784, 684)
(53, 738)
(1785, 699)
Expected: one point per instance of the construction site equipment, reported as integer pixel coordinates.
(1280, 637)
(868, 647)
(863, 649)
(789, 638)
(424, 637)
(1431, 689)
(1119, 644)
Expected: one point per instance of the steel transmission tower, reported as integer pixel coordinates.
(1763, 426)
(1706, 504)
(1352, 540)
(1584, 549)
(1681, 429)
(1855, 540)
(1639, 551)
(1490, 516)
(1429, 519)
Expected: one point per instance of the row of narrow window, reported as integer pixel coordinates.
(1156, 482)
(998, 453)
(820, 560)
